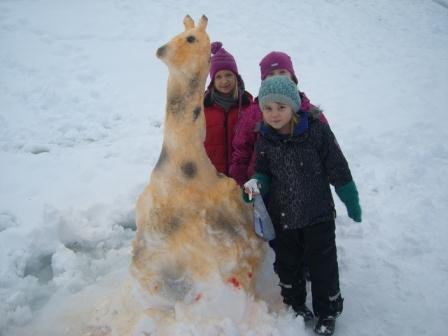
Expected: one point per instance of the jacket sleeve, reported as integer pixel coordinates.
(243, 145)
(262, 163)
(333, 159)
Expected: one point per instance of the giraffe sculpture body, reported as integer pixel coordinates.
(192, 225)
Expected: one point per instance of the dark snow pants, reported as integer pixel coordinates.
(317, 243)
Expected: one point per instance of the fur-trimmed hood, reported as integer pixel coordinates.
(315, 112)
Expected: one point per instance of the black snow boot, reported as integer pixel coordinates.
(325, 325)
(305, 312)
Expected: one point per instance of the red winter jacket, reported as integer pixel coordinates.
(220, 130)
(242, 165)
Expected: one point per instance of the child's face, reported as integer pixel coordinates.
(279, 72)
(225, 81)
(278, 116)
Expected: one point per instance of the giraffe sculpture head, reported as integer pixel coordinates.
(189, 52)
(187, 56)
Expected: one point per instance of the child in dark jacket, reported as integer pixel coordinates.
(224, 101)
(297, 158)
(276, 63)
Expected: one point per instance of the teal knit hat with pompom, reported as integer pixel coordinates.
(279, 89)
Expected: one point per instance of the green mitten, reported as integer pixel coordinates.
(349, 196)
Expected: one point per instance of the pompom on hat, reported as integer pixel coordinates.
(276, 60)
(221, 60)
(279, 89)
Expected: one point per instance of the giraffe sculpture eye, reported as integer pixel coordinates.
(191, 39)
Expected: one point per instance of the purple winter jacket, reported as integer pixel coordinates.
(242, 166)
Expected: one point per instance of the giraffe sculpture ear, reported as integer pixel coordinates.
(203, 23)
(188, 23)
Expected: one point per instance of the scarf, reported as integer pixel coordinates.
(225, 102)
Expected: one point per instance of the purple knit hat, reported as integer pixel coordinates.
(276, 60)
(221, 60)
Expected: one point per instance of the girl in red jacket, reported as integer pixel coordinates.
(224, 101)
(275, 63)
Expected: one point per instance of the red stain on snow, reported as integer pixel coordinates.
(234, 282)
(198, 297)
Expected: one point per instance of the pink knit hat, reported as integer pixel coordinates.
(221, 60)
(276, 60)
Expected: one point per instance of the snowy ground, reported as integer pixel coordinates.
(81, 119)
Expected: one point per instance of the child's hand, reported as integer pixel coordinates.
(252, 188)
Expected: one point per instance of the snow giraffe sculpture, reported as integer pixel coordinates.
(193, 229)
(195, 249)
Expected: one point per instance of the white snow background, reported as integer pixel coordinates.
(82, 101)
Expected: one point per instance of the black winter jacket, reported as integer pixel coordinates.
(301, 169)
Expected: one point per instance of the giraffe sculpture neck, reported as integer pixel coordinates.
(183, 152)
(184, 118)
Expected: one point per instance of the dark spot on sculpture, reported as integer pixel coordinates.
(196, 112)
(175, 284)
(189, 169)
(221, 223)
(193, 85)
(161, 51)
(177, 101)
(176, 104)
(173, 225)
(191, 39)
(162, 158)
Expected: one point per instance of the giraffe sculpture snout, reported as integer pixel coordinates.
(161, 51)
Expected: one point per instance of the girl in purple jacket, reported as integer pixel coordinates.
(242, 165)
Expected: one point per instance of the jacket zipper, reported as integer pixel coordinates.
(226, 152)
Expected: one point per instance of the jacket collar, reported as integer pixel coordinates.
(299, 129)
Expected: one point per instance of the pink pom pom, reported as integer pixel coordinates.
(216, 46)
